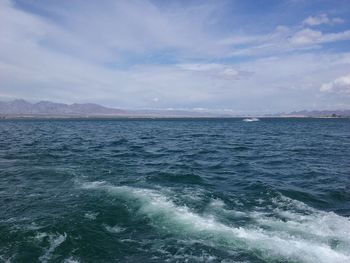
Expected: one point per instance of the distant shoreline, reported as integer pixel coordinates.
(22, 109)
(114, 117)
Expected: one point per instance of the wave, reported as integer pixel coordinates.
(90, 215)
(291, 230)
(114, 229)
(70, 260)
(54, 242)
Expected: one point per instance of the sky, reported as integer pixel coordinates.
(261, 56)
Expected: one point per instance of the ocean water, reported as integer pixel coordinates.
(215, 190)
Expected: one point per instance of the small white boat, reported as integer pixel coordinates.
(250, 119)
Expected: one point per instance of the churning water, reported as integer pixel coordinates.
(215, 190)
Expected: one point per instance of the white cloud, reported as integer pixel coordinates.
(201, 67)
(306, 36)
(309, 37)
(82, 55)
(340, 85)
(332, 37)
(240, 40)
(286, 39)
(322, 19)
(216, 70)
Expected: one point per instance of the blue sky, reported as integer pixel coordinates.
(240, 56)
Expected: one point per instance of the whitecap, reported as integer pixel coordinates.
(54, 242)
(40, 236)
(114, 229)
(91, 215)
(71, 260)
(250, 119)
(275, 244)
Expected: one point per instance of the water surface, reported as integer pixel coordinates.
(215, 190)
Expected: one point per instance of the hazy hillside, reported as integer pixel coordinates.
(22, 107)
(321, 113)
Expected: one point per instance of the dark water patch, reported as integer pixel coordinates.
(186, 178)
(119, 142)
(299, 195)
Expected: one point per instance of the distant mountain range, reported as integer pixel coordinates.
(317, 113)
(22, 108)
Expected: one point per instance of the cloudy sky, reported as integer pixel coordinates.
(243, 56)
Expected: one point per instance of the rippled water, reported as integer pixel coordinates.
(220, 190)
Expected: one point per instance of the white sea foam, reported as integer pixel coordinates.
(300, 237)
(55, 241)
(6, 260)
(218, 207)
(91, 185)
(114, 229)
(251, 119)
(91, 215)
(40, 236)
(71, 260)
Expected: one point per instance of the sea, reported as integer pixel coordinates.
(175, 190)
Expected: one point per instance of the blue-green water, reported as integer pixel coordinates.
(219, 190)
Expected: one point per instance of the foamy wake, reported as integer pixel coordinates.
(250, 119)
(54, 241)
(293, 231)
